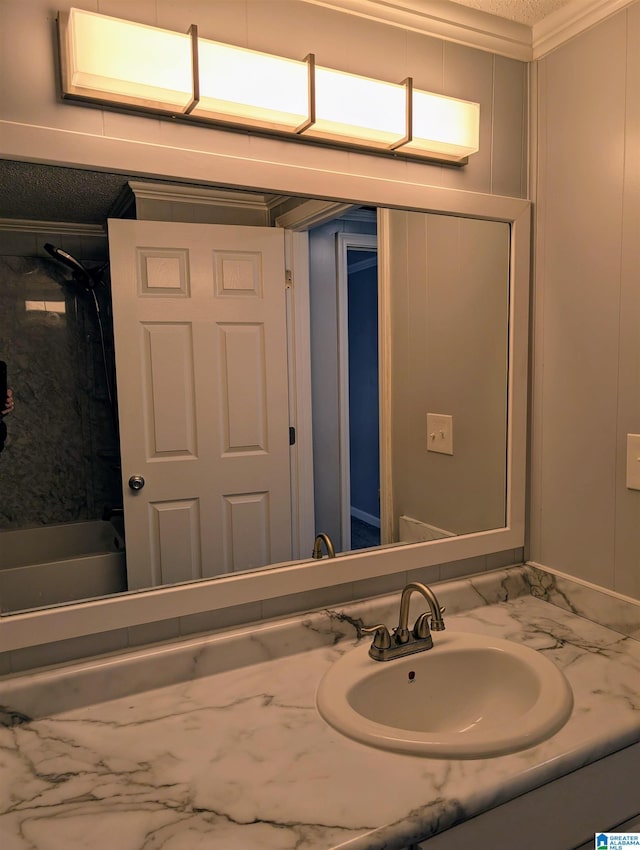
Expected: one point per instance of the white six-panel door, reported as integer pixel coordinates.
(201, 361)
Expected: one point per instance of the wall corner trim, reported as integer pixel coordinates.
(571, 20)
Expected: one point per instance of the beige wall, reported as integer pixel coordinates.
(449, 300)
(290, 28)
(586, 391)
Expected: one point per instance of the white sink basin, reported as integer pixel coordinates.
(470, 696)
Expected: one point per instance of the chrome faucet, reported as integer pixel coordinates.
(317, 546)
(405, 641)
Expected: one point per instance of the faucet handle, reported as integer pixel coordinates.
(421, 627)
(382, 638)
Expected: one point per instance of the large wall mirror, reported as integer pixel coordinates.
(380, 399)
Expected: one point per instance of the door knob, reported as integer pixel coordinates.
(136, 482)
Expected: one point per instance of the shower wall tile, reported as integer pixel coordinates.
(60, 462)
(17, 244)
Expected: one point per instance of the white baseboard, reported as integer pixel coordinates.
(365, 517)
(414, 531)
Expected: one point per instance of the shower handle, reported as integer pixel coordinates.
(136, 482)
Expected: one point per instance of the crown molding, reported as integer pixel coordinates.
(358, 214)
(19, 225)
(135, 191)
(310, 214)
(571, 20)
(210, 196)
(473, 28)
(446, 20)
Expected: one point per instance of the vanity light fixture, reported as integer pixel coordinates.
(123, 63)
(249, 88)
(359, 110)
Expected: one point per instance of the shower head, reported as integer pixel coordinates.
(88, 278)
(80, 274)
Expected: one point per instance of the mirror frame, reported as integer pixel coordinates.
(232, 171)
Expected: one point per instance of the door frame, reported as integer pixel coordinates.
(297, 223)
(299, 376)
(384, 354)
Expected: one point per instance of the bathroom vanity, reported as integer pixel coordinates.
(216, 742)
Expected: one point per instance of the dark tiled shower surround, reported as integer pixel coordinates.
(61, 455)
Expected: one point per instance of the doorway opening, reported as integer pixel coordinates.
(345, 378)
(363, 408)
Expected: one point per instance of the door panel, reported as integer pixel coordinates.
(246, 529)
(243, 411)
(170, 410)
(175, 540)
(201, 358)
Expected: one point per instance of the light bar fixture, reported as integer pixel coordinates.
(357, 109)
(117, 62)
(255, 89)
(443, 126)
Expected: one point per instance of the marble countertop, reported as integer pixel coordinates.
(216, 743)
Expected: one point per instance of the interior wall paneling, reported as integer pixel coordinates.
(581, 350)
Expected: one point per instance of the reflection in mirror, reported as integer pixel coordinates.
(445, 345)
(343, 293)
(408, 393)
(448, 301)
(61, 468)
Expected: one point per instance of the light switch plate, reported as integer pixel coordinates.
(633, 461)
(440, 433)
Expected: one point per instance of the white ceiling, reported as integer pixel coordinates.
(527, 12)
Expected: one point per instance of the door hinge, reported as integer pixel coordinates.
(292, 435)
(288, 279)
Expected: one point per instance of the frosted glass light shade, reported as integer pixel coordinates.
(358, 109)
(444, 127)
(251, 88)
(120, 61)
